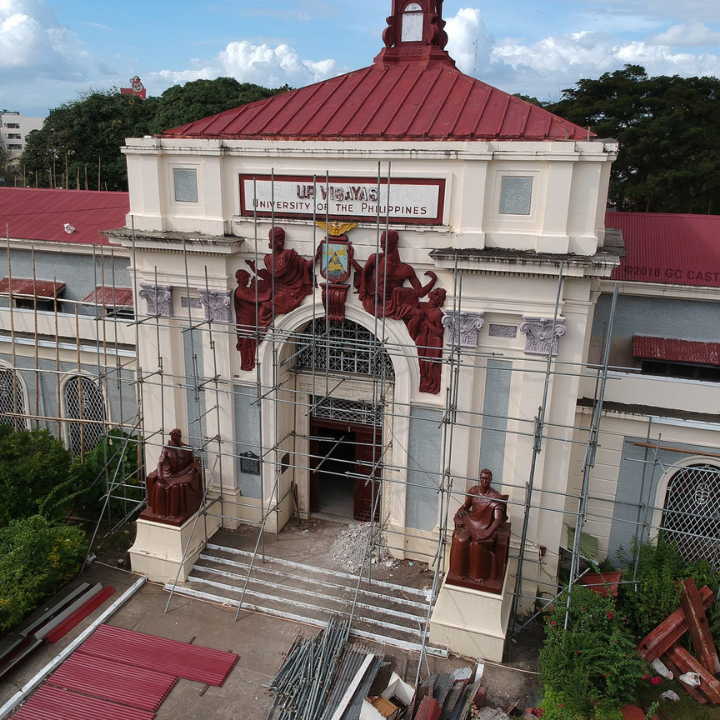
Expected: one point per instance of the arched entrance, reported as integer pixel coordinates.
(691, 515)
(345, 438)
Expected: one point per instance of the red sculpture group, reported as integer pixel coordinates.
(287, 279)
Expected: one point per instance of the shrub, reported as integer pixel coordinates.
(660, 566)
(33, 464)
(591, 669)
(36, 557)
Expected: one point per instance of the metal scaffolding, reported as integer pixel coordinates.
(207, 390)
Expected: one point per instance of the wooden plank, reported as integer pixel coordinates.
(687, 663)
(670, 630)
(694, 693)
(699, 627)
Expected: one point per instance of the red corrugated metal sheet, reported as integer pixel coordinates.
(668, 248)
(110, 680)
(672, 350)
(79, 615)
(28, 286)
(110, 296)
(41, 214)
(395, 101)
(50, 703)
(154, 653)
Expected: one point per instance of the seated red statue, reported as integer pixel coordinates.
(480, 542)
(175, 489)
(288, 276)
(381, 281)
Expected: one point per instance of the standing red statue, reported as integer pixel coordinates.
(381, 283)
(175, 489)
(248, 294)
(424, 323)
(479, 551)
(288, 276)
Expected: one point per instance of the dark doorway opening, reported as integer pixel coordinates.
(343, 457)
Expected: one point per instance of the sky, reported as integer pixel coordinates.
(53, 50)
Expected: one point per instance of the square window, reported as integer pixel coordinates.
(516, 195)
(185, 185)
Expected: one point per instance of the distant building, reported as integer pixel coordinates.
(14, 129)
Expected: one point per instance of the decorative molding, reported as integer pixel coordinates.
(217, 305)
(504, 331)
(158, 298)
(194, 302)
(540, 339)
(462, 329)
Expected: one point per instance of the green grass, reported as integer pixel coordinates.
(685, 709)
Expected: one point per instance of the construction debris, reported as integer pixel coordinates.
(695, 674)
(351, 548)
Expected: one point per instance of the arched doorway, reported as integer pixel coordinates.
(345, 436)
(691, 514)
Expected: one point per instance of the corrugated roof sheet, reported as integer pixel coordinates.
(110, 296)
(393, 101)
(666, 248)
(41, 214)
(114, 681)
(674, 350)
(28, 286)
(51, 703)
(154, 653)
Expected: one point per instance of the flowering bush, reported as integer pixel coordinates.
(591, 669)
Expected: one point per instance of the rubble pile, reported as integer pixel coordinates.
(349, 549)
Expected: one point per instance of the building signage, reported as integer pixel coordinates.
(411, 201)
(670, 274)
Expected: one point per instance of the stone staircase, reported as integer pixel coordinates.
(385, 613)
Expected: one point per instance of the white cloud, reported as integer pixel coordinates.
(543, 68)
(33, 44)
(246, 62)
(694, 33)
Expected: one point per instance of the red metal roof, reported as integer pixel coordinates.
(28, 286)
(404, 100)
(667, 248)
(50, 703)
(155, 653)
(110, 296)
(41, 214)
(673, 350)
(113, 681)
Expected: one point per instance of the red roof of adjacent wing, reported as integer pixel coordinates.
(28, 286)
(41, 214)
(109, 296)
(667, 248)
(388, 101)
(672, 350)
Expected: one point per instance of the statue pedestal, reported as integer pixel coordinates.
(472, 622)
(158, 549)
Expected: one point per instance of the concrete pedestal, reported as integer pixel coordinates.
(471, 622)
(158, 549)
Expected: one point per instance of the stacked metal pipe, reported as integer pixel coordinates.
(303, 683)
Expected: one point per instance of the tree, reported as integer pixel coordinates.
(183, 104)
(9, 170)
(669, 136)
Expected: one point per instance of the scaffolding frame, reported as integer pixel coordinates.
(209, 389)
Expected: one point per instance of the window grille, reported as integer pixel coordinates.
(84, 436)
(351, 411)
(344, 347)
(692, 512)
(12, 400)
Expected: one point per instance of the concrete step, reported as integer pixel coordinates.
(384, 612)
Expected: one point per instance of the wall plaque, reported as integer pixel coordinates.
(409, 200)
(506, 331)
(249, 463)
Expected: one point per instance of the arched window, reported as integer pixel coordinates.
(12, 399)
(412, 23)
(84, 401)
(691, 518)
(347, 348)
